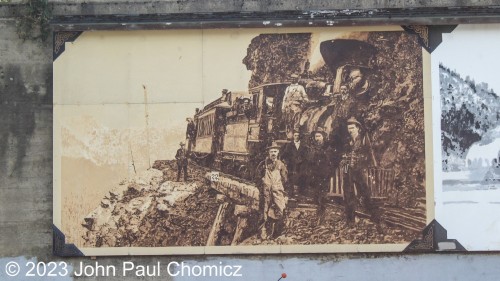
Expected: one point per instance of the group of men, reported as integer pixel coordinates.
(299, 168)
(305, 167)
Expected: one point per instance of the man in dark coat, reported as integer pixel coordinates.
(190, 133)
(321, 168)
(357, 158)
(294, 154)
(182, 161)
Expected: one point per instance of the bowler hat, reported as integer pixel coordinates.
(320, 130)
(273, 145)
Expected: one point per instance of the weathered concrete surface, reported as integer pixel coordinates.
(26, 161)
(25, 146)
(125, 7)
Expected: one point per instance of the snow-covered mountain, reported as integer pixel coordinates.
(87, 138)
(468, 111)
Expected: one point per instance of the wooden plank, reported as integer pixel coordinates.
(240, 227)
(219, 220)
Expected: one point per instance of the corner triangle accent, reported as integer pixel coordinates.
(59, 246)
(429, 36)
(434, 239)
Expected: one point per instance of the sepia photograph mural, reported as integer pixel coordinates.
(248, 140)
(468, 169)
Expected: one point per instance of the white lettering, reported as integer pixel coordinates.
(230, 273)
(127, 266)
(209, 267)
(176, 264)
(236, 272)
(199, 270)
(95, 270)
(140, 271)
(79, 273)
(185, 266)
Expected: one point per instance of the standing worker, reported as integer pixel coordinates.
(271, 177)
(182, 161)
(294, 94)
(321, 166)
(190, 132)
(358, 157)
(295, 154)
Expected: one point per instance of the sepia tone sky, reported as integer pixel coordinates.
(102, 79)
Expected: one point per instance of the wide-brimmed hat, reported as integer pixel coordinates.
(320, 130)
(353, 120)
(189, 119)
(294, 75)
(182, 143)
(273, 145)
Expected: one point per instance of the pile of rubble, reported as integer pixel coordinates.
(153, 210)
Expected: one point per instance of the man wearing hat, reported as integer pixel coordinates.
(245, 107)
(182, 161)
(294, 92)
(271, 178)
(321, 166)
(293, 100)
(190, 132)
(358, 157)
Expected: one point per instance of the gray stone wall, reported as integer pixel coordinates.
(26, 158)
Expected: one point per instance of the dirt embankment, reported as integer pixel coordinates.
(153, 210)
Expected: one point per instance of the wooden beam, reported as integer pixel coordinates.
(240, 227)
(219, 220)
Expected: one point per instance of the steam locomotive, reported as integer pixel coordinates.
(233, 131)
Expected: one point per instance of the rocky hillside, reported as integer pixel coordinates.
(468, 111)
(273, 58)
(153, 210)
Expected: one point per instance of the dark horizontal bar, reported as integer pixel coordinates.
(345, 17)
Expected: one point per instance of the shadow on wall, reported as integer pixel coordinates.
(17, 119)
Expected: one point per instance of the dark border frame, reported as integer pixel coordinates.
(313, 18)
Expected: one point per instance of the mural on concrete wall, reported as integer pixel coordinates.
(469, 111)
(240, 138)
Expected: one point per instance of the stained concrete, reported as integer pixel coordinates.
(26, 163)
